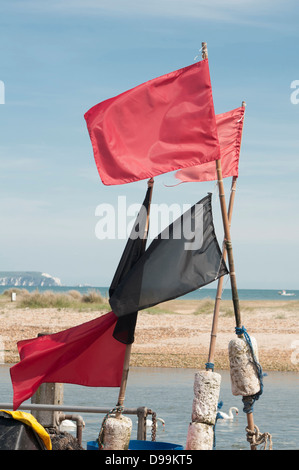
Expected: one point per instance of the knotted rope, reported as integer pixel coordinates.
(250, 400)
(219, 406)
(117, 409)
(256, 438)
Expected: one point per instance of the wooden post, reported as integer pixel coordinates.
(229, 249)
(48, 394)
(123, 385)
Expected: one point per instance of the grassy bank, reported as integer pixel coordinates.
(72, 299)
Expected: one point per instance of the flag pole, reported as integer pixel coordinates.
(226, 227)
(214, 330)
(126, 367)
(210, 363)
(229, 250)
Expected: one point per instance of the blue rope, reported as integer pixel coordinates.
(210, 365)
(250, 400)
(219, 406)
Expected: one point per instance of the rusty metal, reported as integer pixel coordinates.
(154, 426)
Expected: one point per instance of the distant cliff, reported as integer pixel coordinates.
(28, 278)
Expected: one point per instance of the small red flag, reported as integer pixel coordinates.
(162, 125)
(86, 354)
(230, 126)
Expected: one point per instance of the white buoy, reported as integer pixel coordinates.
(206, 397)
(117, 433)
(200, 437)
(244, 376)
(204, 411)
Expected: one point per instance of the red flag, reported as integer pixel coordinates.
(85, 355)
(162, 125)
(230, 126)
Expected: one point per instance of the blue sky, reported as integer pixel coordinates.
(58, 59)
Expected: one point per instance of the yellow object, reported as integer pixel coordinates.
(30, 420)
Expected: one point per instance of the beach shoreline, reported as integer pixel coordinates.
(175, 333)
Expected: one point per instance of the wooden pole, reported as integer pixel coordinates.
(221, 279)
(220, 285)
(124, 380)
(226, 226)
(227, 239)
(229, 249)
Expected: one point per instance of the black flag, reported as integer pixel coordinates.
(185, 256)
(135, 247)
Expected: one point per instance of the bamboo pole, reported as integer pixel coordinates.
(226, 226)
(126, 367)
(229, 249)
(221, 279)
(220, 285)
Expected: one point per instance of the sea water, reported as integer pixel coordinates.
(169, 393)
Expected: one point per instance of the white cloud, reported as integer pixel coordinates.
(217, 10)
(21, 207)
(19, 164)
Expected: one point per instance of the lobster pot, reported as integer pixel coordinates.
(243, 373)
(117, 433)
(200, 437)
(206, 396)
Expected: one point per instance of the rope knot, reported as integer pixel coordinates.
(256, 438)
(240, 330)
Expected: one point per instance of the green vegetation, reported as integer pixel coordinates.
(228, 312)
(93, 300)
(158, 310)
(205, 306)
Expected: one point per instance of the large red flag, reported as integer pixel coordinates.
(230, 126)
(85, 355)
(162, 125)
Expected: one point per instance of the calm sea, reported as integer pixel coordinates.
(169, 392)
(244, 294)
